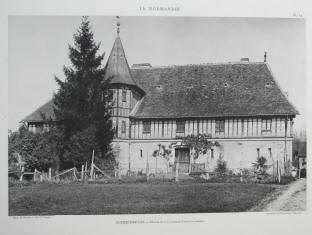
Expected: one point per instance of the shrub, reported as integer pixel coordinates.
(260, 167)
(287, 179)
(221, 168)
(38, 151)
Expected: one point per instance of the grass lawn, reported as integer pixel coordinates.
(182, 197)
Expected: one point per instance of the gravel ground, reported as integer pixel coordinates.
(291, 198)
(297, 201)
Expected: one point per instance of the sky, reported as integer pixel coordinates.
(38, 50)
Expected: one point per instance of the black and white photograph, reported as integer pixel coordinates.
(155, 115)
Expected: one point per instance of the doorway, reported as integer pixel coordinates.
(182, 155)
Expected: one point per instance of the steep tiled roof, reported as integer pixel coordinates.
(117, 68)
(204, 90)
(45, 111)
(210, 90)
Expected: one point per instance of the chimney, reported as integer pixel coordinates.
(265, 56)
(244, 60)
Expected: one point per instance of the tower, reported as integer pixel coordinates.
(126, 93)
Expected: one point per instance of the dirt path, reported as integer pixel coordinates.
(292, 199)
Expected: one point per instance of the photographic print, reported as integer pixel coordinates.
(155, 114)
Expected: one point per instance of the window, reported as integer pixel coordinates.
(123, 127)
(266, 124)
(212, 153)
(124, 96)
(146, 127)
(219, 125)
(180, 126)
(258, 152)
(141, 153)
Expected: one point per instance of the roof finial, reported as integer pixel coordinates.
(265, 57)
(118, 24)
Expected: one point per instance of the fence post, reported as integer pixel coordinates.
(279, 175)
(177, 172)
(299, 166)
(74, 173)
(91, 171)
(147, 172)
(147, 167)
(22, 174)
(35, 178)
(273, 170)
(50, 173)
(278, 172)
(82, 172)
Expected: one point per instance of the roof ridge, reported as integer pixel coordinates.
(201, 64)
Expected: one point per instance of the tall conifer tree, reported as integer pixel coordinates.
(82, 103)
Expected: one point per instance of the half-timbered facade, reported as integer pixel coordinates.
(240, 105)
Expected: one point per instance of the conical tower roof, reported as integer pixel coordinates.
(117, 68)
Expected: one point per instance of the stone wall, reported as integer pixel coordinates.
(238, 153)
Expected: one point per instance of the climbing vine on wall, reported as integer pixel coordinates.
(199, 144)
(163, 151)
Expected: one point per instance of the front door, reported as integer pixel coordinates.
(182, 155)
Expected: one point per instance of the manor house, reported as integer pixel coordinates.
(239, 105)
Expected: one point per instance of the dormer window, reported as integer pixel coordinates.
(158, 87)
(124, 96)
